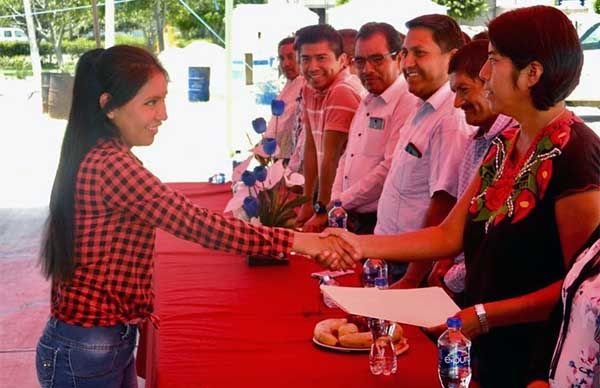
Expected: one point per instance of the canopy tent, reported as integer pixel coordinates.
(358, 12)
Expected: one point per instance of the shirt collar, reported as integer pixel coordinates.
(501, 123)
(397, 88)
(439, 97)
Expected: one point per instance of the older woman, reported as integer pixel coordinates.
(534, 203)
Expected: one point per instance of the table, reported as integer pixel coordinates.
(225, 324)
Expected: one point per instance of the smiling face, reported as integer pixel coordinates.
(470, 97)
(375, 76)
(138, 120)
(288, 62)
(506, 87)
(424, 64)
(319, 64)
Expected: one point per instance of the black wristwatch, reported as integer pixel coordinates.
(319, 208)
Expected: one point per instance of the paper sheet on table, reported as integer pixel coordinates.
(424, 307)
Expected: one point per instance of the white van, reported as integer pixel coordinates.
(12, 34)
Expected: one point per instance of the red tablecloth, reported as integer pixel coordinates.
(225, 324)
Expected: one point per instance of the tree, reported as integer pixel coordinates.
(212, 11)
(464, 9)
(51, 26)
(340, 2)
(597, 6)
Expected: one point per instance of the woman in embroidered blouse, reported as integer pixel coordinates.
(104, 208)
(533, 204)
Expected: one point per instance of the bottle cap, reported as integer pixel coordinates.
(454, 323)
(337, 203)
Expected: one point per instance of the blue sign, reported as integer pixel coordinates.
(198, 84)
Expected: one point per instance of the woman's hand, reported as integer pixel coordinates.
(471, 327)
(342, 236)
(329, 251)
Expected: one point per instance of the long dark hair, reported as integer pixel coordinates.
(119, 71)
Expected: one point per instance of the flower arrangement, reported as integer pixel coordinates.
(265, 195)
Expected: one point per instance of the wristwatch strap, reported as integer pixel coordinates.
(482, 315)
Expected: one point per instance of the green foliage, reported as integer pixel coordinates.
(191, 28)
(277, 205)
(464, 9)
(597, 6)
(11, 49)
(340, 2)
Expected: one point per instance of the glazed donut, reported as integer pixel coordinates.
(347, 328)
(326, 330)
(364, 339)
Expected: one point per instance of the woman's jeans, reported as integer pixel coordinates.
(80, 357)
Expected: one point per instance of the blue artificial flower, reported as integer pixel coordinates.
(269, 145)
(277, 107)
(259, 125)
(250, 206)
(248, 178)
(260, 172)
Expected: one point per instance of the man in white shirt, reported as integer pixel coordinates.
(374, 129)
(421, 186)
(283, 128)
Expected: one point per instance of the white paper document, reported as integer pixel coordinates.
(424, 307)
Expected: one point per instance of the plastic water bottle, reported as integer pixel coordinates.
(382, 357)
(454, 350)
(373, 269)
(329, 281)
(337, 216)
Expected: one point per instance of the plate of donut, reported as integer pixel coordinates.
(351, 335)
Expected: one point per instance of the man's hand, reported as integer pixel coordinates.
(342, 237)
(436, 276)
(332, 252)
(471, 327)
(316, 223)
(305, 213)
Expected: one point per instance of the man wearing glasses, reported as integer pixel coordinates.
(373, 132)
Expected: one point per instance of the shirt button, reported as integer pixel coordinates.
(368, 114)
(351, 155)
(360, 134)
(346, 177)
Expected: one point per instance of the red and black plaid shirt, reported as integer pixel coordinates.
(118, 204)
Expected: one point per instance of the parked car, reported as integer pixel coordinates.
(588, 90)
(12, 34)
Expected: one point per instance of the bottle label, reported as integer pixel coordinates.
(338, 222)
(454, 358)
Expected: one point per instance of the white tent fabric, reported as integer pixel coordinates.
(358, 12)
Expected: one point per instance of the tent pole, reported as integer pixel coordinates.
(228, 75)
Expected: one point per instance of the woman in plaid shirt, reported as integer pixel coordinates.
(104, 208)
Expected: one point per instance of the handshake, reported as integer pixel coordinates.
(334, 248)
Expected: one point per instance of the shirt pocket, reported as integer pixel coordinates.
(375, 142)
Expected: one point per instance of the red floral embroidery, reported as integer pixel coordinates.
(490, 155)
(561, 136)
(542, 177)
(510, 133)
(499, 217)
(496, 194)
(512, 191)
(524, 203)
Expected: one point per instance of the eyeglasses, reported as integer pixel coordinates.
(374, 60)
